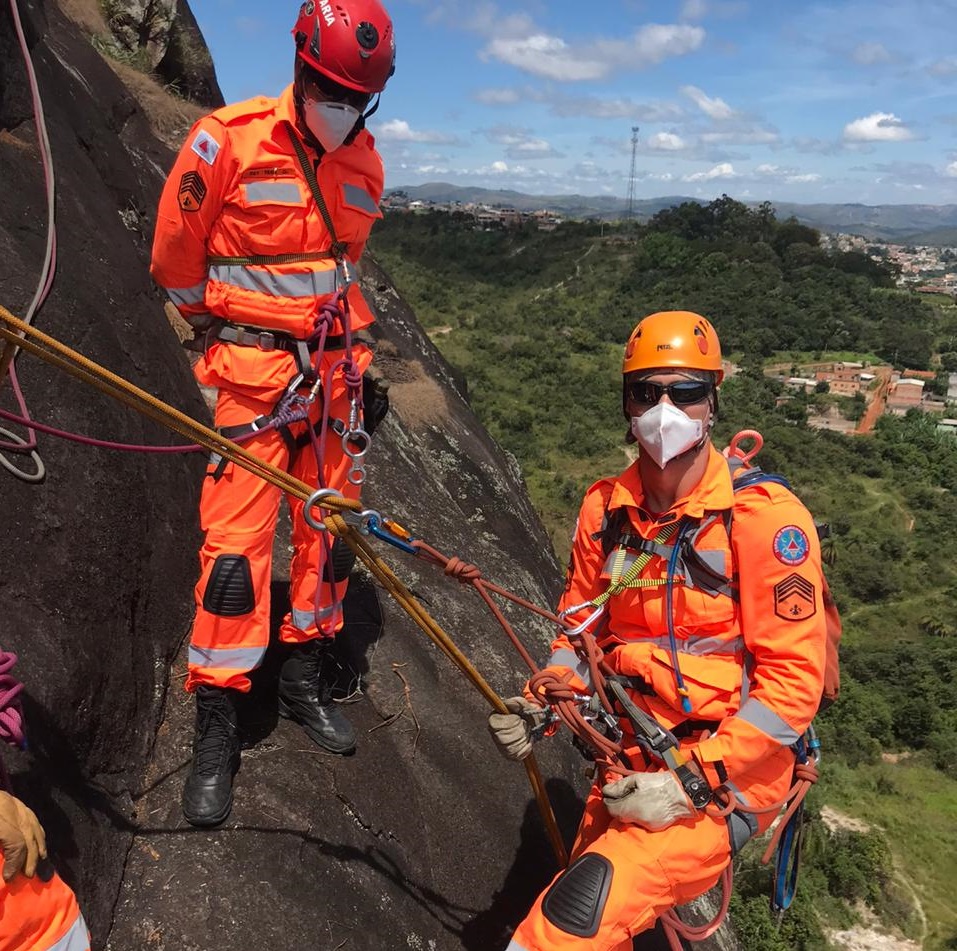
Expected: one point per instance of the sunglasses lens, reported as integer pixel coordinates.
(689, 391)
(683, 393)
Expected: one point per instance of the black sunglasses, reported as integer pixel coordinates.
(682, 393)
(321, 88)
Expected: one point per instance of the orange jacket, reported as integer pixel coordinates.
(237, 191)
(40, 916)
(771, 622)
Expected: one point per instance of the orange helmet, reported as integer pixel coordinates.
(675, 339)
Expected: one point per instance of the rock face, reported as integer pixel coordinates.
(424, 838)
(96, 561)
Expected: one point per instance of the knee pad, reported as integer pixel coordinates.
(229, 591)
(341, 561)
(576, 900)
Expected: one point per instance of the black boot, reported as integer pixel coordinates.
(208, 793)
(305, 695)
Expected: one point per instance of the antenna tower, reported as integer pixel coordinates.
(634, 171)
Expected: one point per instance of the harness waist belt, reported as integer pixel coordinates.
(269, 339)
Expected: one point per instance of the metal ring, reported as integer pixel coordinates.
(357, 475)
(356, 436)
(32, 477)
(314, 501)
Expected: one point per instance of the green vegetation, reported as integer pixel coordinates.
(536, 322)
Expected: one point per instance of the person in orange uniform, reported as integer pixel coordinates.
(728, 653)
(263, 214)
(38, 911)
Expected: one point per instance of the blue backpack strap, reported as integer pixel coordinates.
(757, 476)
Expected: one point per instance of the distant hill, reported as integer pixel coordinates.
(906, 224)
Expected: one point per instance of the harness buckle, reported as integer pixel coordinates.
(267, 341)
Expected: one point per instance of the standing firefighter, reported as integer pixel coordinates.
(267, 207)
(718, 633)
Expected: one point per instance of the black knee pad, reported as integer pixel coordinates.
(341, 562)
(229, 591)
(576, 900)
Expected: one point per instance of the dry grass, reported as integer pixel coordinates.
(417, 398)
(87, 14)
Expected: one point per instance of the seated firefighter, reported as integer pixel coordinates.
(38, 911)
(715, 628)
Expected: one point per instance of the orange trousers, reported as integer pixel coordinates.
(238, 513)
(630, 876)
(40, 916)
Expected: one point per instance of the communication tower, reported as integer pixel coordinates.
(632, 178)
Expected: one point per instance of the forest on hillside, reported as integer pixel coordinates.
(535, 321)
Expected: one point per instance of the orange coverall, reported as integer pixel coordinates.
(40, 916)
(239, 237)
(768, 639)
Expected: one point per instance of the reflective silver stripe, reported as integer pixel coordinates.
(232, 658)
(513, 945)
(307, 619)
(564, 657)
(698, 646)
(767, 721)
(286, 192)
(76, 939)
(360, 198)
(310, 284)
(181, 296)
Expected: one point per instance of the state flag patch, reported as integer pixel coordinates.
(205, 146)
(794, 598)
(192, 191)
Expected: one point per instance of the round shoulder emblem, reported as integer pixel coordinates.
(791, 546)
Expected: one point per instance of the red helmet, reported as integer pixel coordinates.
(349, 41)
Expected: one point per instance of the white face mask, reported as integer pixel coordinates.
(665, 432)
(329, 122)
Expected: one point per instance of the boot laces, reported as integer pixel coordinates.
(215, 737)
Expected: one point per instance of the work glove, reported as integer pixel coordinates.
(512, 731)
(21, 838)
(652, 800)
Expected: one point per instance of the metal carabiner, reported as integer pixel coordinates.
(312, 502)
(587, 623)
(359, 436)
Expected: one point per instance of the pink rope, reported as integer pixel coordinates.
(11, 716)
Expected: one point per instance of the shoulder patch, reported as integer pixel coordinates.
(791, 546)
(192, 191)
(794, 598)
(205, 146)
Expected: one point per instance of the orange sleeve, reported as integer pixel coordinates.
(583, 575)
(374, 174)
(778, 557)
(191, 202)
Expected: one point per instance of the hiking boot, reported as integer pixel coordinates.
(208, 792)
(305, 695)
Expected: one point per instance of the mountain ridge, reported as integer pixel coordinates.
(906, 223)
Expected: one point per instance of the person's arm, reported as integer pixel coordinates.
(191, 202)
(782, 619)
(22, 841)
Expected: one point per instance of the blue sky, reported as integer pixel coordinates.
(787, 101)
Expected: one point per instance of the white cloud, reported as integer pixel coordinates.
(715, 108)
(398, 130)
(871, 54)
(951, 170)
(877, 127)
(693, 9)
(552, 58)
(802, 179)
(767, 170)
(724, 170)
(742, 136)
(497, 97)
(666, 142)
(595, 107)
(520, 143)
(943, 67)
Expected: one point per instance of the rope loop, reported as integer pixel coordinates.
(11, 717)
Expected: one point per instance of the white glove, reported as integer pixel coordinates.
(651, 800)
(21, 838)
(512, 731)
